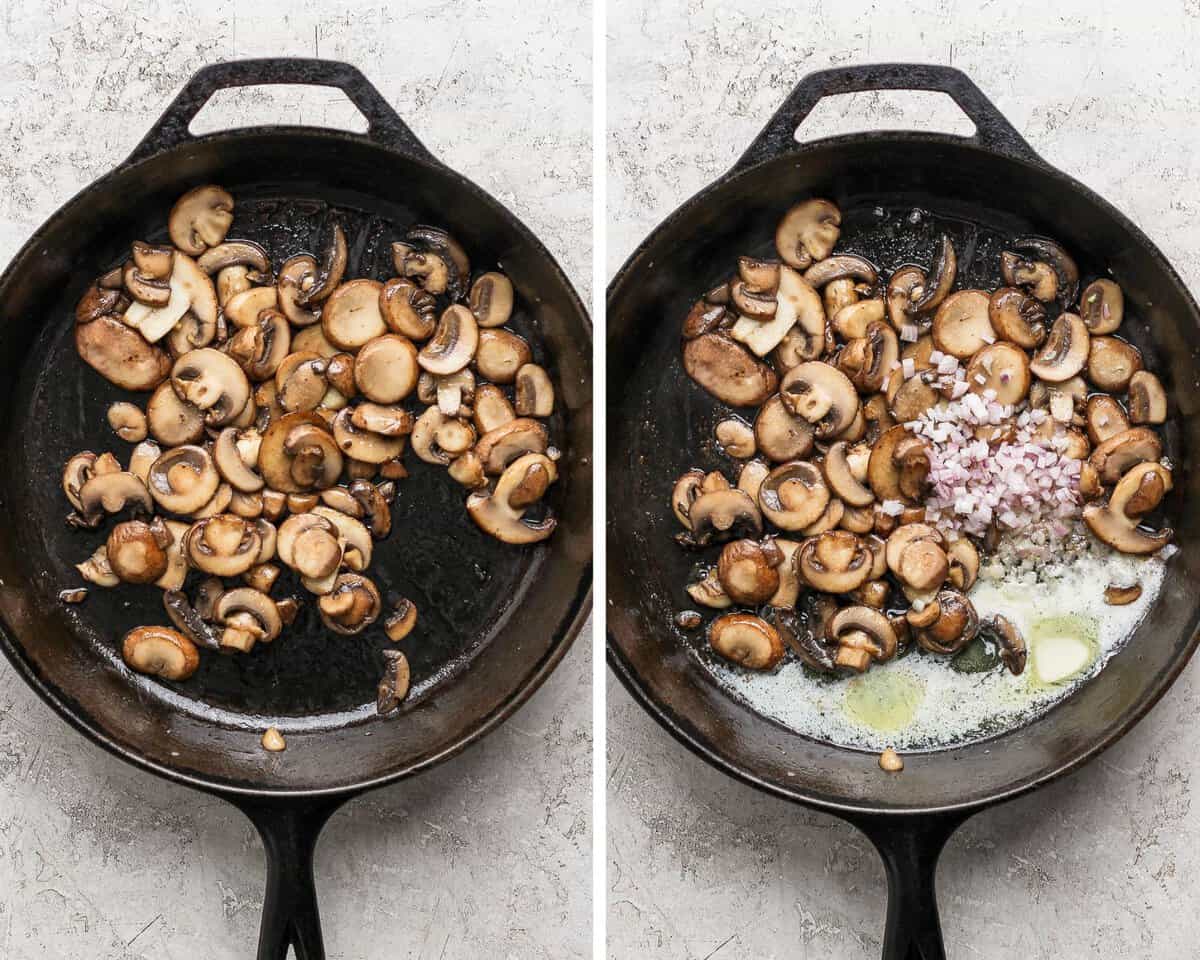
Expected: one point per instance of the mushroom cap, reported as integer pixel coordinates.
(135, 551)
(491, 299)
(111, 493)
(492, 409)
(1004, 369)
(841, 477)
(213, 382)
(749, 571)
(300, 382)
(962, 325)
(76, 473)
(248, 602)
(1102, 307)
(1053, 254)
(842, 266)
(835, 561)
(394, 684)
(352, 316)
(189, 290)
(793, 495)
(500, 353)
(296, 460)
(160, 652)
(534, 392)
(822, 395)
(230, 463)
(224, 545)
(1105, 417)
(453, 343)
(728, 371)
(500, 447)
(870, 359)
(235, 253)
(808, 232)
(183, 479)
(354, 537)
(407, 309)
(956, 625)
(747, 640)
(1114, 456)
(297, 277)
(864, 620)
(200, 219)
(1017, 317)
(385, 369)
(1112, 362)
(260, 349)
(1147, 398)
(1065, 351)
(121, 355)
(899, 465)
(365, 445)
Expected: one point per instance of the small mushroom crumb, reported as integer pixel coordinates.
(688, 620)
(273, 740)
(1120, 596)
(891, 761)
(400, 624)
(393, 685)
(78, 595)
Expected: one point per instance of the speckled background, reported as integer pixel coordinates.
(489, 854)
(1102, 864)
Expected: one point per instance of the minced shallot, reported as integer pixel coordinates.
(1015, 480)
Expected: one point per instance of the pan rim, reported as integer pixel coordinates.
(631, 679)
(580, 607)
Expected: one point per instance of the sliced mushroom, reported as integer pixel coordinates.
(224, 545)
(961, 325)
(230, 282)
(376, 513)
(121, 355)
(212, 382)
(352, 316)
(869, 360)
(365, 445)
(1113, 457)
(1001, 368)
(492, 409)
(300, 382)
(453, 344)
(708, 592)
(173, 421)
(388, 421)
(862, 635)
(822, 395)
(498, 448)
(140, 460)
(298, 454)
(940, 280)
(109, 493)
(964, 564)
(1065, 351)
(1105, 417)
(746, 640)
(840, 267)
(1136, 493)
(332, 268)
(232, 465)
(808, 232)
(1017, 317)
(534, 392)
(704, 317)
(312, 340)
(780, 434)
(95, 569)
(1147, 399)
(793, 496)
(728, 371)
(200, 219)
(498, 515)
(491, 299)
(956, 625)
(1065, 270)
(187, 620)
(351, 606)
(850, 322)
(899, 466)
(385, 369)
(1102, 307)
(236, 253)
(160, 652)
(98, 302)
(1112, 362)
(136, 550)
(251, 610)
(1117, 596)
(749, 570)
(904, 288)
(1007, 638)
(500, 354)
(836, 561)
(149, 288)
(842, 479)
(394, 684)
(797, 304)
(189, 290)
(435, 260)
(735, 438)
(407, 309)
(916, 554)
(1033, 276)
(260, 349)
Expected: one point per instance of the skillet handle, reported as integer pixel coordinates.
(910, 848)
(992, 131)
(290, 917)
(384, 125)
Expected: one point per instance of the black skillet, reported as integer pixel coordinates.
(980, 189)
(494, 619)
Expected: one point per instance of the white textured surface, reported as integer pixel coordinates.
(1103, 864)
(489, 854)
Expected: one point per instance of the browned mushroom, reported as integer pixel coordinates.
(956, 624)
(453, 344)
(498, 515)
(1112, 362)
(351, 606)
(160, 652)
(1065, 351)
(728, 371)
(862, 635)
(1114, 456)
(822, 395)
(1105, 417)
(836, 561)
(136, 550)
(746, 640)
(200, 219)
(534, 392)
(794, 495)
(1017, 317)
(1147, 399)
(224, 545)
(491, 299)
(298, 454)
(808, 232)
(749, 570)
(962, 324)
(385, 370)
(121, 355)
(407, 309)
(352, 315)
(899, 466)
(1102, 307)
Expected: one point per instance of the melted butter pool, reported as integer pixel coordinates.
(919, 701)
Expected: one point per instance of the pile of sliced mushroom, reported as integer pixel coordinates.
(275, 429)
(830, 534)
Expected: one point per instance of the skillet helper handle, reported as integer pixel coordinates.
(290, 917)
(910, 848)
(992, 130)
(384, 125)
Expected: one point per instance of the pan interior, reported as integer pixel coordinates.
(470, 589)
(894, 207)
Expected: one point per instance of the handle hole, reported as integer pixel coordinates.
(926, 110)
(284, 103)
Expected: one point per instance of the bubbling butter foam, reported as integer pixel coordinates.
(920, 702)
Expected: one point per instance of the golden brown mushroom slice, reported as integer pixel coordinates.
(842, 478)
(850, 322)
(136, 550)
(728, 371)
(793, 496)
(121, 355)
(491, 299)
(351, 606)
(534, 393)
(1105, 417)
(1116, 522)
(735, 438)
(190, 291)
(869, 360)
(1001, 368)
(298, 277)
(407, 309)
(248, 611)
(213, 383)
(435, 260)
(962, 324)
(183, 479)
(1034, 276)
(160, 652)
(1112, 362)
(334, 255)
(899, 466)
(352, 316)
(822, 395)
(497, 514)
(1065, 351)
(394, 684)
(1147, 399)
(749, 570)
(223, 545)
(835, 561)
(796, 303)
(808, 232)
(1017, 317)
(955, 625)
(453, 344)
(298, 454)
(862, 635)
(385, 370)
(747, 640)
(498, 448)
(780, 434)
(402, 620)
(1102, 307)
(200, 219)
(940, 281)
(236, 253)
(1115, 456)
(500, 354)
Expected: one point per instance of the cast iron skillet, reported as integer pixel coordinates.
(494, 619)
(981, 189)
